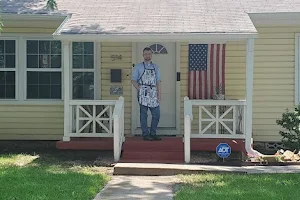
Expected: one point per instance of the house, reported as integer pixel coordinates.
(63, 72)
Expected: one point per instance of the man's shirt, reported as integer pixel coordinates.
(138, 71)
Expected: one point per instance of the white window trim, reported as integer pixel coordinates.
(297, 68)
(41, 70)
(94, 70)
(21, 70)
(16, 69)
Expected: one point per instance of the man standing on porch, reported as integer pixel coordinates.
(146, 79)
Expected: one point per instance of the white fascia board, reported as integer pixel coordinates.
(183, 37)
(276, 19)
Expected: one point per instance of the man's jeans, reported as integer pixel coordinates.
(155, 112)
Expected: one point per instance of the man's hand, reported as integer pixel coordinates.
(159, 97)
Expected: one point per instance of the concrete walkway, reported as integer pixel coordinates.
(161, 187)
(138, 187)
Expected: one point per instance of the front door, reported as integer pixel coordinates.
(165, 57)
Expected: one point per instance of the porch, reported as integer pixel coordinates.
(99, 124)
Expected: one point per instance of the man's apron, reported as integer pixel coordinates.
(148, 92)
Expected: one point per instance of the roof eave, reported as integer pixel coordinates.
(275, 18)
(184, 37)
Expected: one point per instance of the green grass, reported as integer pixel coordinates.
(239, 187)
(31, 177)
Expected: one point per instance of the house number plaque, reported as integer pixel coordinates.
(116, 90)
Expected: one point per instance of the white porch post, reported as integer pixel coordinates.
(66, 70)
(249, 96)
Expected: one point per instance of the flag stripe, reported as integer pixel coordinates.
(206, 70)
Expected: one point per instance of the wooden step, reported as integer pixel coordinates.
(178, 161)
(166, 145)
(156, 155)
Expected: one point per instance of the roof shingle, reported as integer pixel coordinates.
(154, 16)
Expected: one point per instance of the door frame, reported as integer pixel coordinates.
(177, 91)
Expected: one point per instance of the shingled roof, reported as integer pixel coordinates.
(153, 16)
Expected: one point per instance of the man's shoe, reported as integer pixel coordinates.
(155, 137)
(148, 138)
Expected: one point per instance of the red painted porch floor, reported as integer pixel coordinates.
(135, 149)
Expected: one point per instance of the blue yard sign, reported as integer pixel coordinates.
(223, 150)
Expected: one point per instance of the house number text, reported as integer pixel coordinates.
(116, 57)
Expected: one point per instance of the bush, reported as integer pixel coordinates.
(291, 122)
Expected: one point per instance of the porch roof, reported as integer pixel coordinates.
(154, 17)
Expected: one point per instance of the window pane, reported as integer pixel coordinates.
(1, 46)
(44, 61)
(55, 47)
(42, 87)
(32, 47)
(89, 62)
(56, 61)
(83, 85)
(32, 61)
(44, 78)
(7, 85)
(55, 91)
(44, 91)
(77, 47)
(10, 46)
(10, 78)
(56, 78)
(88, 48)
(33, 78)
(10, 61)
(44, 47)
(78, 61)
(2, 65)
(10, 91)
(32, 91)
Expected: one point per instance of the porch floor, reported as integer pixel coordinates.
(135, 149)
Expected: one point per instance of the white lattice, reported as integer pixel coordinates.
(226, 119)
(93, 119)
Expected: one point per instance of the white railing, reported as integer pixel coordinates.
(188, 118)
(118, 117)
(91, 118)
(97, 118)
(213, 112)
(219, 118)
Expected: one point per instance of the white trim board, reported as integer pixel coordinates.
(297, 68)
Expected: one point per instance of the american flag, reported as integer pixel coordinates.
(206, 70)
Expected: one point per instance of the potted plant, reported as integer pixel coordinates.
(219, 93)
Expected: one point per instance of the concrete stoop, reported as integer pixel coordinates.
(159, 169)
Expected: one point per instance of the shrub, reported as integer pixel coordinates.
(290, 121)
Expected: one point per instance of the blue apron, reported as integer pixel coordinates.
(148, 94)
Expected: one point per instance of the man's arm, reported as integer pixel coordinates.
(135, 84)
(135, 75)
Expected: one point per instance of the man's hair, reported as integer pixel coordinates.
(147, 49)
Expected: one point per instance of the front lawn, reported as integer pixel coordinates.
(44, 177)
(239, 187)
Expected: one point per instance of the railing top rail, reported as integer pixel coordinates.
(188, 109)
(218, 102)
(119, 106)
(92, 102)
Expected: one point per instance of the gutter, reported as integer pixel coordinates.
(183, 37)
